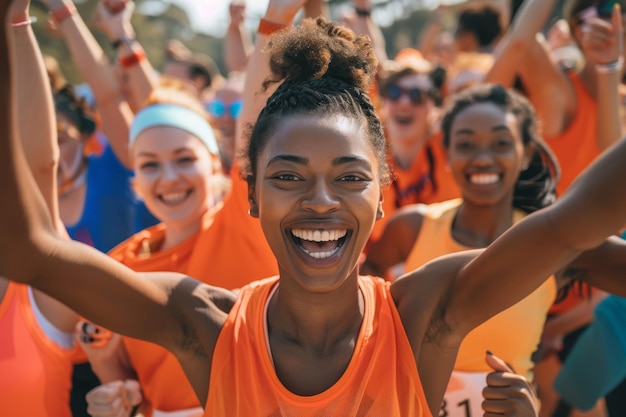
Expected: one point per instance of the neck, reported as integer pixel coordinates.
(478, 226)
(177, 232)
(405, 151)
(315, 320)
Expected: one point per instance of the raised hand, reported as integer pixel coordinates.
(237, 10)
(113, 18)
(507, 394)
(283, 11)
(115, 399)
(601, 39)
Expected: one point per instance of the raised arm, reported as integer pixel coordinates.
(81, 277)
(364, 25)
(237, 43)
(520, 53)
(94, 67)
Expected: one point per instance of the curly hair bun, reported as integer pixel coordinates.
(319, 49)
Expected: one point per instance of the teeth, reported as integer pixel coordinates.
(321, 255)
(484, 179)
(319, 235)
(173, 198)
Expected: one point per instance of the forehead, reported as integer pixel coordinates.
(322, 138)
(483, 116)
(165, 139)
(415, 80)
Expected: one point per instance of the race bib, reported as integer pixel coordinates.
(464, 395)
(191, 412)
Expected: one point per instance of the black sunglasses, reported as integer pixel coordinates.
(395, 92)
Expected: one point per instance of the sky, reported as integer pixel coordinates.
(211, 16)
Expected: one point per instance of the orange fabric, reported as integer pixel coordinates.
(414, 185)
(576, 147)
(380, 380)
(36, 373)
(513, 334)
(230, 251)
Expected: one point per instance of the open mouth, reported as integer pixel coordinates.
(174, 198)
(403, 120)
(484, 178)
(319, 243)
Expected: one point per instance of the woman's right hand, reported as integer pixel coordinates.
(115, 399)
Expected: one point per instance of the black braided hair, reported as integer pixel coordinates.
(324, 69)
(536, 186)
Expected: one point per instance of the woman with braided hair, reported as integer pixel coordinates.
(319, 339)
(484, 129)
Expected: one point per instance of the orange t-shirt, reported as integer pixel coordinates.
(230, 251)
(576, 147)
(512, 334)
(380, 380)
(426, 181)
(35, 373)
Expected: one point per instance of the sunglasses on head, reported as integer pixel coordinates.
(416, 95)
(217, 108)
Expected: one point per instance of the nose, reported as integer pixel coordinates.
(169, 173)
(483, 157)
(320, 198)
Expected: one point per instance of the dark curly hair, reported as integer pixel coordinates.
(536, 185)
(324, 69)
(75, 109)
(483, 23)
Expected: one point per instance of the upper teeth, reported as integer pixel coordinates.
(484, 178)
(173, 197)
(319, 235)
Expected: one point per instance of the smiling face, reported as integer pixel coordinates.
(406, 116)
(317, 193)
(486, 153)
(172, 174)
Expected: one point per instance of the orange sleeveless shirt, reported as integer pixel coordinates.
(381, 379)
(35, 373)
(230, 251)
(512, 334)
(577, 147)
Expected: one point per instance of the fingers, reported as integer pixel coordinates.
(496, 363)
(113, 399)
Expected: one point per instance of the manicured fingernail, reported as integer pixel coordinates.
(489, 353)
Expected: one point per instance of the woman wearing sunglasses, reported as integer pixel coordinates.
(409, 112)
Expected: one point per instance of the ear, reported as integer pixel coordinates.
(529, 152)
(380, 213)
(254, 207)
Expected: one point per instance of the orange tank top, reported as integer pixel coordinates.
(380, 380)
(230, 251)
(35, 373)
(426, 181)
(577, 146)
(522, 323)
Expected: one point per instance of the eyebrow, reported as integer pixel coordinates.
(493, 129)
(152, 154)
(304, 161)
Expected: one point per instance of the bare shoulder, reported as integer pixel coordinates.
(423, 295)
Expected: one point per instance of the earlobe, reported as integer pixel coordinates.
(254, 207)
(380, 213)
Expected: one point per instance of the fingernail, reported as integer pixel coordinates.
(489, 353)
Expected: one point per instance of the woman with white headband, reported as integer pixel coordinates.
(177, 168)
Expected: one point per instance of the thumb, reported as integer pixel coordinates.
(496, 363)
(133, 392)
(616, 22)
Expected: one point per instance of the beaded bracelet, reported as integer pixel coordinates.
(611, 67)
(267, 27)
(27, 22)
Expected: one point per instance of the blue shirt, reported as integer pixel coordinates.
(112, 211)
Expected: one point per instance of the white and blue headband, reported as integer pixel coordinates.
(174, 116)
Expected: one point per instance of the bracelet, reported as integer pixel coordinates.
(62, 13)
(362, 12)
(267, 27)
(611, 67)
(126, 40)
(133, 59)
(27, 22)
